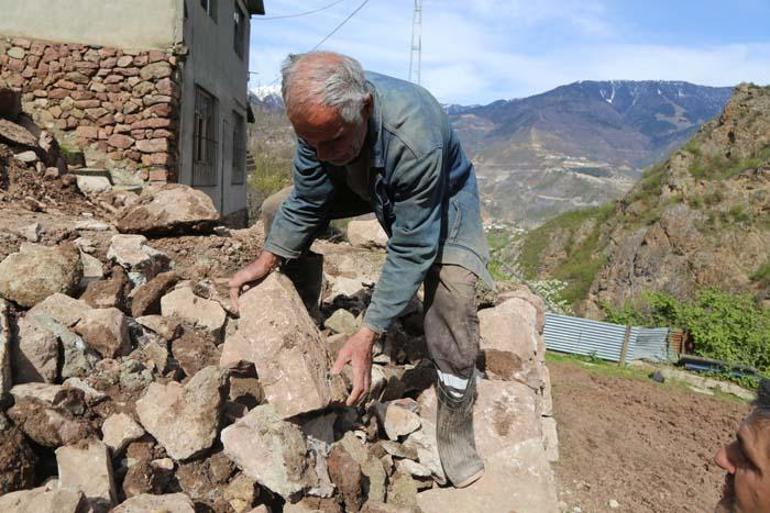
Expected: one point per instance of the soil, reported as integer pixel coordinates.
(648, 446)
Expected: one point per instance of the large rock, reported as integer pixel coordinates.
(46, 499)
(142, 261)
(184, 419)
(509, 438)
(16, 135)
(509, 339)
(169, 208)
(271, 451)
(106, 331)
(367, 234)
(36, 355)
(36, 272)
(62, 308)
(119, 430)
(110, 293)
(286, 347)
(78, 358)
(48, 426)
(97, 483)
(183, 304)
(147, 503)
(145, 300)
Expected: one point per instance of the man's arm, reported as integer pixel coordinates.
(302, 214)
(419, 189)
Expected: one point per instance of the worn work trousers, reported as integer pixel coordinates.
(451, 322)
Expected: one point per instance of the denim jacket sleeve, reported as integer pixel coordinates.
(302, 214)
(418, 190)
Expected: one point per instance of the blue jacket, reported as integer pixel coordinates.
(424, 194)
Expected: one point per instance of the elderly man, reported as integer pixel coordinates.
(372, 143)
(747, 462)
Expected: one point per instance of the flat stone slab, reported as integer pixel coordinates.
(147, 503)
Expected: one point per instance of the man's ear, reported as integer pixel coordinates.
(368, 106)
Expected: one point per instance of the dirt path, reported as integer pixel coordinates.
(647, 446)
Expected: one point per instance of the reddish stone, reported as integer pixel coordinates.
(103, 135)
(92, 56)
(156, 159)
(120, 141)
(107, 52)
(162, 133)
(136, 156)
(82, 95)
(24, 43)
(165, 87)
(33, 60)
(28, 72)
(141, 60)
(114, 88)
(55, 111)
(95, 113)
(15, 65)
(151, 123)
(37, 48)
(87, 104)
(77, 77)
(162, 110)
(66, 84)
(107, 119)
(42, 70)
(109, 62)
(113, 79)
(125, 61)
(127, 72)
(72, 123)
(158, 175)
(156, 56)
(87, 132)
(61, 124)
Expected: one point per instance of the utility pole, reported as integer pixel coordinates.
(416, 51)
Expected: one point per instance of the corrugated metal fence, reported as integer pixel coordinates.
(605, 340)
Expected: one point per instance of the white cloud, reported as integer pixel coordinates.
(480, 51)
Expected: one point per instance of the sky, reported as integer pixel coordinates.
(479, 51)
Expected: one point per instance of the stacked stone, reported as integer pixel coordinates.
(118, 102)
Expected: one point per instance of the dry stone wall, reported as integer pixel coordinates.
(120, 106)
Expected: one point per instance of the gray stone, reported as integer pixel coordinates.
(27, 157)
(140, 260)
(169, 208)
(367, 234)
(118, 430)
(93, 226)
(286, 347)
(270, 451)
(509, 339)
(342, 321)
(91, 185)
(398, 421)
(92, 396)
(93, 270)
(36, 272)
(371, 466)
(105, 330)
(45, 392)
(183, 304)
(97, 483)
(31, 232)
(148, 503)
(184, 419)
(78, 358)
(45, 499)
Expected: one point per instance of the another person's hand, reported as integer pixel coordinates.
(357, 351)
(256, 270)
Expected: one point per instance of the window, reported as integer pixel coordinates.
(204, 139)
(210, 6)
(239, 149)
(239, 33)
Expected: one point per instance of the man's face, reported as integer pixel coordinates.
(747, 463)
(333, 140)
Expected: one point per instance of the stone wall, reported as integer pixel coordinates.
(121, 107)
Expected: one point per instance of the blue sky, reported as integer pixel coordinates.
(478, 51)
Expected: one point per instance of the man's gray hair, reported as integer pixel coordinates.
(333, 79)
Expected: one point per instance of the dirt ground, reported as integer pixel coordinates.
(645, 445)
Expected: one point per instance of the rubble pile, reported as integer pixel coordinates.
(129, 383)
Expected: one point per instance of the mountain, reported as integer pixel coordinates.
(267, 98)
(578, 145)
(699, 219)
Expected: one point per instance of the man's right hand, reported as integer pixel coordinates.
(256, 270)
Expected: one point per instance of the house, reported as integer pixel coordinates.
(151, 90)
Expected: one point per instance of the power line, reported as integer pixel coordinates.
(330, 34)
(283, 17)
(340, 25)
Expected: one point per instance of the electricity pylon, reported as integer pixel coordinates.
(416, 52)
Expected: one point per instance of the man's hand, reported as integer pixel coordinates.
(357, 351)
(256, 270)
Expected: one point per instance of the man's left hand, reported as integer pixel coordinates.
(357, 351)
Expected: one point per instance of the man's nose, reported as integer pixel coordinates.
(722, 459)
